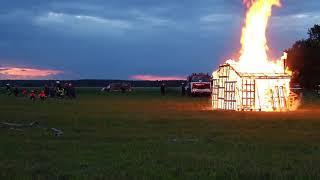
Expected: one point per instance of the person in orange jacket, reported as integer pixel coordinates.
(42, 95)
(32, 95)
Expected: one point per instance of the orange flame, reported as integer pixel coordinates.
(270, 94)
(254, 51)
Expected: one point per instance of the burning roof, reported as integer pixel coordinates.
(259, 75)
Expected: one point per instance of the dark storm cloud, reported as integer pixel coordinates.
(117, 39)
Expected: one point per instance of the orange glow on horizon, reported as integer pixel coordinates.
(26, 73)
(156, 78)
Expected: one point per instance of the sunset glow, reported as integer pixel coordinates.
(26, 73)
(156, 78)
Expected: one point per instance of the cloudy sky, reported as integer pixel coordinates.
(121, 39)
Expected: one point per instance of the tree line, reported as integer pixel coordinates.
(304, 59)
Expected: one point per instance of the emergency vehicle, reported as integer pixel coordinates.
(199, 84)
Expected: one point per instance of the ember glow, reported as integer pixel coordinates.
(26, 73)
(254, 82)
(156, 78)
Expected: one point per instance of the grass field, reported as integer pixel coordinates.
(143, 135)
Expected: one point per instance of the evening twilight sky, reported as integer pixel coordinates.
(121, 39)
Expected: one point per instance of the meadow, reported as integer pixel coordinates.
(143, 135)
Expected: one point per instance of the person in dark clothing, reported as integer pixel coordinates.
(16, 91)
(66, 88)
(59, 90)
(183, 89)
(46, 90)
(52, 93)
(72, 90)
(8, 89)
(163, 89)
(123, 88)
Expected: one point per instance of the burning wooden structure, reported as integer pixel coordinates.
(254, 82)
(235, 90)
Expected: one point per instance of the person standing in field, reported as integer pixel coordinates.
(16, 91)
(59, 90)
(52, 93)
(8, 89)
(72, 91)
(24, 92)
(42, 95)
(183, 89)
(66, 91)
(163, 89)
(46, 90)
(32, 95)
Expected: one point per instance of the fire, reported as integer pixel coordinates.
(253, 40)
(254, 82)
(254, 51)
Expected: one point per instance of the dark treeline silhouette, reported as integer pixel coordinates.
(90, 83)
(304, 59)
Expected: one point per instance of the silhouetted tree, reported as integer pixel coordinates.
(314, 33)
(304, 59)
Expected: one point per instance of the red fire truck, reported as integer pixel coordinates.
(199, 84)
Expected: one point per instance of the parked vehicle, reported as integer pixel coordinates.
(118, 87)
(199, 84)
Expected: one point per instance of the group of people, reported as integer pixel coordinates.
(183, 89)
(56, 90)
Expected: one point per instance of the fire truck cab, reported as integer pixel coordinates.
(199, 84)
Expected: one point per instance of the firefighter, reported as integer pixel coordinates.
(42, 95)
(59, 90)
(24, 92)
(32, 95)
(163, 89)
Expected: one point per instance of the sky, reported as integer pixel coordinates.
(134, 39)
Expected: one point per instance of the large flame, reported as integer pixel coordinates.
(254, 51)
(251, 92)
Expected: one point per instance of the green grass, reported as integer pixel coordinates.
(143, 135)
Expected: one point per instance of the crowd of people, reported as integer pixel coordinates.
(55, 90)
